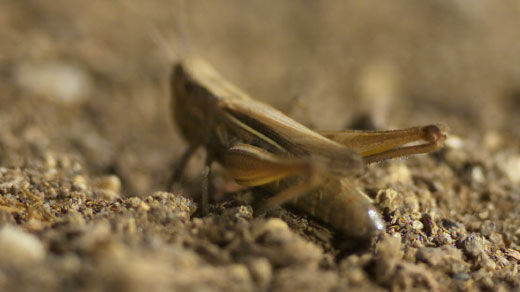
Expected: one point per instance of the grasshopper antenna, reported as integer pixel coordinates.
(183, 27)
(182, 24)
(158, 37)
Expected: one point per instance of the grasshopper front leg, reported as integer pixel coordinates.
(179, 169)
(206, 174)
(253, 166)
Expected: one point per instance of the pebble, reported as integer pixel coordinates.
(109, 182)
(379, 86)
(492, 140)
(417, 225)
(513, 254)
(388, 254)
(398, 173)
(281, 246)
(56, 80)
(477, 175)
(441, 256)
(110, 186)
(511, 168)
(487, 228)
(239, 273)
(454, 142)
(80, 182)
(461, 276)
(261, 271)
(274, 225)
(388, 198)
(20, 247)
(475, 247)
(411, 203)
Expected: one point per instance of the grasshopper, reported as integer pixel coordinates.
(260, 146)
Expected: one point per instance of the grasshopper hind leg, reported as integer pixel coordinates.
(253, 166)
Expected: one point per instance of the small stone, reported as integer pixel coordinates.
(110, 196)
(109, 183)
(429, 224)
(144, 207)
(474, 246)
(454, 142)
(457, 156)
(134, 202)
(261, 271)
(6, 217)
(34, 224)
(484, 214)
(110, 187)
(487, 282)
(477, 175)
(461, 276)
(459, 266)
(388, 198)
(80, 182)
(95, 234)
(239, 273)
(399, 173)
(356, 277)
(280, 245)
(511, 168)
(57, 81)
(411, 203)
(388, 254)
(446, 256)
(50, 161)
(71, 263)
(417, 225)
(73, 218)
(304, 278)
(513, 254)
(379, 86)
(492, 140)
(20, 247)
(487, 228)
(444, 239)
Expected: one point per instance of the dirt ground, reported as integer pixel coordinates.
(87, 144)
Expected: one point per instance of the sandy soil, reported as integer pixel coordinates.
(87, 144)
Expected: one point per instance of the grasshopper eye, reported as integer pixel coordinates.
(189, 87)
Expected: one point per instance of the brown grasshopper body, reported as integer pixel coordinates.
(260, 146)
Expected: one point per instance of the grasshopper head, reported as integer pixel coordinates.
(192, 105)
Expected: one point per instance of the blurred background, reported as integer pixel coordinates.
(89, 79)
